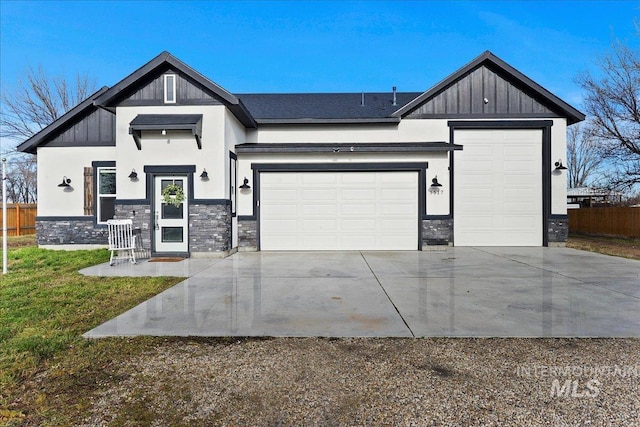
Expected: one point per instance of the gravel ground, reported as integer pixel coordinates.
(412, 382)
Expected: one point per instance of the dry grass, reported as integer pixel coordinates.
(20, 241)
(616, 246)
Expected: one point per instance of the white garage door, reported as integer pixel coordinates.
(498, 188)
(339, 211)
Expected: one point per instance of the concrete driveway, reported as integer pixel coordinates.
(457, 292)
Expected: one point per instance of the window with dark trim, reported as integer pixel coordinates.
(105, 194)
(169, 88)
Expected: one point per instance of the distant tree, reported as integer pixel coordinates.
(36, 102)
(613, 103)
(583, 155)
(22, 180)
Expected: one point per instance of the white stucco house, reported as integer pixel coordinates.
(471, 161)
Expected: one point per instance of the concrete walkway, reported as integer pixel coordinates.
(465, 292)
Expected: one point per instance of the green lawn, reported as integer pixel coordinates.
(45, 307)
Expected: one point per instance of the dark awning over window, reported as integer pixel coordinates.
(160, 122)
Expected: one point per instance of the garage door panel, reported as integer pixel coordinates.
(479, 205)
(352, 243)
(319, 225)
(358, 194)
(519, 221)
(281, 210)
(311, 242)
(356, 209)
(283, 179)
(520, 151)
(481, 221)
(312, 178)
(517, 167)
(316, 194)
(395, 194)
(522, 182)
(396, 178)
(498, 188)
(340, 211)
(357, 225)
(477, 180)
(405, 210)
(319, 209)
(356, 179)
(389, 226)
(285, 194)
(281, 225)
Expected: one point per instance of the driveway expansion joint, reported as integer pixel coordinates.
(387, 295)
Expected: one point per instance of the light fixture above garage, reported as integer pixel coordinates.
(245, 184)
(436, 187)
(560, 166)
(133, 176)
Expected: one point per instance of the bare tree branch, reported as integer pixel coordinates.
(613, 102)
(583, 156)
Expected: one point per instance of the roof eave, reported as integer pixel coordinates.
(373, 120)
(353, 147)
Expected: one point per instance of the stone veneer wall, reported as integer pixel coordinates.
(558, 229)
(140, 214)
(70, 231)
(247, 234)
(437, 232)
(209, 228)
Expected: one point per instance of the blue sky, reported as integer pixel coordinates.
(313, 46)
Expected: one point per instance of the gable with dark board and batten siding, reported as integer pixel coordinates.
(482, 92)
(487, 87)
(188, 92)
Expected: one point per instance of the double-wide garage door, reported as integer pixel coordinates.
(339, 210)
(498, 188)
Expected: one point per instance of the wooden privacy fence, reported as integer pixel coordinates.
(623, 222)
(21, 219)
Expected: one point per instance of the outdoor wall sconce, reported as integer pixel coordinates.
(164, 132)
(245, 184)
(65, 182)
(436, 187)
(204, 175)
(560, 166)
(133, 176)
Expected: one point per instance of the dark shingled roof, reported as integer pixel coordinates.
(337, 106)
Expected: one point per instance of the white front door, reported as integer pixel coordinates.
(171, 222)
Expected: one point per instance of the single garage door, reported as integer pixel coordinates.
(339, 210)
(498, 188)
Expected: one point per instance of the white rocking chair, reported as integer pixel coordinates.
(121, 239)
